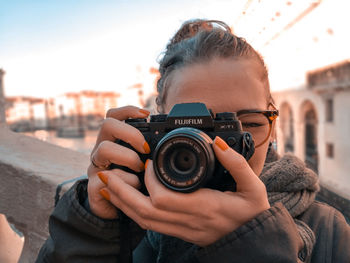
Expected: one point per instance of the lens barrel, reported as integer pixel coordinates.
(184, 160)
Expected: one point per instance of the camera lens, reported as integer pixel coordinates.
(184, 159)
(181, 162)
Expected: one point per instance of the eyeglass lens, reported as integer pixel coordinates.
(257, 124)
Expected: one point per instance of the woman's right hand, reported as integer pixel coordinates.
(106, 151)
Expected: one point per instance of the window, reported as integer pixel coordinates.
(329, 110)
(330, 150)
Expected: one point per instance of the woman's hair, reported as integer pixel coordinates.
(198, 41)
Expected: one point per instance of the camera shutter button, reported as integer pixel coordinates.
(231, 141)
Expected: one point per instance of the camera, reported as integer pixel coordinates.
(181, 147)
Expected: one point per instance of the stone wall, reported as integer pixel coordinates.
(30, 172)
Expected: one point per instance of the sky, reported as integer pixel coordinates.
(51, 47)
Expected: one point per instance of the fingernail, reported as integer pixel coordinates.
(221, 143)
(105, 194)
(103, 177)
(146, 112)
(142, 166)
(146, 147)
(146, 164)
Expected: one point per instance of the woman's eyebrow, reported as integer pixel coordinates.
(240, 110)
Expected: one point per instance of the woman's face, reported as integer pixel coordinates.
(224, 85)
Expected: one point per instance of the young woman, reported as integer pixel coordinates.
(272, 217)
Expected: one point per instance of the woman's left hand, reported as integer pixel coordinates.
(201, 217)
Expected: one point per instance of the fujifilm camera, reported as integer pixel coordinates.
(181, 147)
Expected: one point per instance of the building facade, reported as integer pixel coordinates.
(83, 109)
(314, 124)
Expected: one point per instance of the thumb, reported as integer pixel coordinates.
(237, 166)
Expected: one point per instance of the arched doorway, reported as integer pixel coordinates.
(310, 135)
(287, 127)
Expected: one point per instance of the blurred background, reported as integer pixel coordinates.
(63, 64)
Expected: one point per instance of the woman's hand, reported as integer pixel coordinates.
(201, 217)
(106, 152)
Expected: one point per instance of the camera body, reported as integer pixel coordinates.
(181, 147)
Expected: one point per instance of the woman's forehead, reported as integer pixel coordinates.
(222, 84)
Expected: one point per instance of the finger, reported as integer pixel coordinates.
(113, 129)
(161, 196)
(170, 200)
(128, 178)
(150, 218)
(137, 201)
(238, 167)
(92, 170)
(109, 152)
(123, 113)
(99, 205)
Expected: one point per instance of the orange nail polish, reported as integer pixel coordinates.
(146, 164)
(146, 112)
(221, 143)
(105, 194)
(146, 147)
(103, 177)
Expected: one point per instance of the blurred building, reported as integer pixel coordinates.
(314, 124)
(84, 110)
(25, 113)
